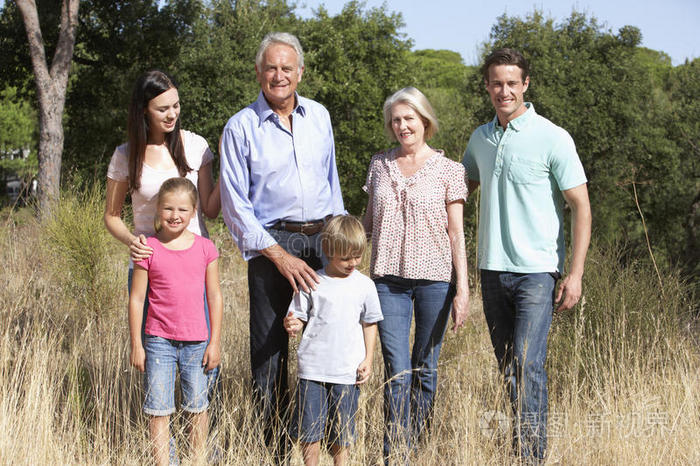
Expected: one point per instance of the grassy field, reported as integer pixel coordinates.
(623, 365)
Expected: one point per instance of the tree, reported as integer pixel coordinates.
(17, 137)
(683, 87)
(117, 42)
(354, 61)
(51, 84)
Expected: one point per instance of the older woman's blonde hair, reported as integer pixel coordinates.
(418, 102)
(343, 236)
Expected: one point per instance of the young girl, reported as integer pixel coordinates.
(335, 353)
(176, 330)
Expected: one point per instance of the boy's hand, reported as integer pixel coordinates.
(212, 357)
(364, 370)
(138, 358)
(292, 324)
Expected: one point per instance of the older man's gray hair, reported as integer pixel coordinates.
(279, 38)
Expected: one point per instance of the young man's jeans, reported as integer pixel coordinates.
(518, 309)
(412, 375)
(270, 295)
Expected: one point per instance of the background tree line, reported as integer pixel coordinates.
(633, 115)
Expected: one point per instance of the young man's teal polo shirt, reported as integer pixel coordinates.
(522, 172)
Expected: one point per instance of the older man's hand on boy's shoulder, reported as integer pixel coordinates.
(293, 325)
(364, 371)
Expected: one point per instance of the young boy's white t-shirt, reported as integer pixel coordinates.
(333, 345)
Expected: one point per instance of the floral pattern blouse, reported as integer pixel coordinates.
(409, 216)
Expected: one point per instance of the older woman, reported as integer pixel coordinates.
(414, 214)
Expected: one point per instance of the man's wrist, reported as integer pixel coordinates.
(275, 253)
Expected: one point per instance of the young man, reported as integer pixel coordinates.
(527, 168)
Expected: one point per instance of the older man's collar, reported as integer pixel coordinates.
(262, 108)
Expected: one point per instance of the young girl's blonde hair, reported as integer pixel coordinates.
(172, 185)
(343, 236)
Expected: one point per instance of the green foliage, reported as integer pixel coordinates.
(16, 70)
(18, 141)
(438, 69)
(355, 60)
(18, 135)
(684, 129)
(82, 253)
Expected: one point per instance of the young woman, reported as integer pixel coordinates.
(156, 150)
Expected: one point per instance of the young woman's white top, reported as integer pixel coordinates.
(143, 201)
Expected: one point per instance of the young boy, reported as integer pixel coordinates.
(339, 323)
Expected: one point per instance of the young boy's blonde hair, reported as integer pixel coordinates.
(343, 236)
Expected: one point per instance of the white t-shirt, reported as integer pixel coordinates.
(143, 201)
(333, 345)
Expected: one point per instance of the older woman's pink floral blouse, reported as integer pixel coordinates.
(409, 216)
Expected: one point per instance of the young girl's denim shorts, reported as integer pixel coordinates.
(325, 408)
(163, 358)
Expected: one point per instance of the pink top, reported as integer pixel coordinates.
(409, 216)
(176, 289)
(143, 201)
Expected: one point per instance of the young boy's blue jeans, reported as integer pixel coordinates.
(518, 309)
(325, 407)
(411, 374)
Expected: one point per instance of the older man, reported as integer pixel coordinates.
(527, 168)
(279, 185)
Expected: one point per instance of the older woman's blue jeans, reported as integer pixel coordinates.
(411, 373)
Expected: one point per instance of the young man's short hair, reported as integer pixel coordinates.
(505, 56)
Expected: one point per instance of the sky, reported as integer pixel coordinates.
(671, 26)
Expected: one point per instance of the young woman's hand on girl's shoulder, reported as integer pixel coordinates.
(139, 248)
(212, 356)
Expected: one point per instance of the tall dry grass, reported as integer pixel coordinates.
(624, 384)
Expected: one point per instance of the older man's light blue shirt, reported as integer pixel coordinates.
(522, 171)
(269, 173)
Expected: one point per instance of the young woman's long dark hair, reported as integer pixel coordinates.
(150, 85)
